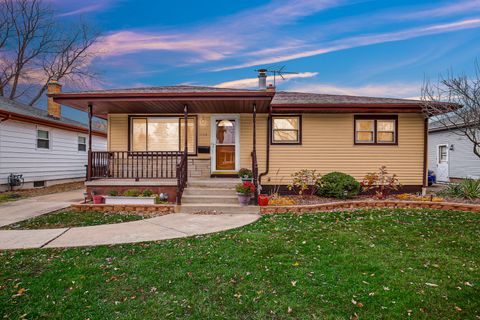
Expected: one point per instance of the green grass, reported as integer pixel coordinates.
(65, 219)
(372, 264)
(7, 197)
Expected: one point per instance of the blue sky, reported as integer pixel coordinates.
(374, 48)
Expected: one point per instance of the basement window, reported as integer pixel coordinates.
(38, 184)
(43, 139)
(82, 144)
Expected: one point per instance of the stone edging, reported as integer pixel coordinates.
(370, 204)
(149, 209)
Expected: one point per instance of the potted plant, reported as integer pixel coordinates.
(97, 199)
(244, 192)
(245, 174)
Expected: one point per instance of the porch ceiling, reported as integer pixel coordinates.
(161, 103)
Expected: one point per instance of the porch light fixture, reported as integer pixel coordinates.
(225, 123)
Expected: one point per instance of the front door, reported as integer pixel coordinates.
(442, 163)
(225, 143)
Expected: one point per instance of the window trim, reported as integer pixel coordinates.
(78, 143)
(375, 118)
(49, 139)
(271, 131)
(179, 116)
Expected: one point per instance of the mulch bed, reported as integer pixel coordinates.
(24, 193)
(309, 199)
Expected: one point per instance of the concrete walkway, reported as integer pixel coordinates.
(171, 226)
(24, 209)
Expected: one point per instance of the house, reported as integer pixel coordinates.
(451, 154)
(44, 146)
(274, 133)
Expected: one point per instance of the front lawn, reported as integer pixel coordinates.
(369, 264)
(67, 219)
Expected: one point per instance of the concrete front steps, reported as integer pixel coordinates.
(213, 196)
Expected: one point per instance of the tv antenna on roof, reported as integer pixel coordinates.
(280, 72)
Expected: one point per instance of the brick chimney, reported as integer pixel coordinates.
(270, 88)
(54, 108)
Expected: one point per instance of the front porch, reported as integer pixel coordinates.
(162, 139)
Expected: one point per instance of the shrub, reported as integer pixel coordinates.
(113, 193)
(380, 182)
(132, 193)
(147, 193)
(305, 180)
(245, 173)
(245, 188)
(338, 185)
(467, 189)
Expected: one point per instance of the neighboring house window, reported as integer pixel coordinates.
(82, 144)
(442, 153)
(43, 139)
(163, 134)
(286, 130)
(381, 129)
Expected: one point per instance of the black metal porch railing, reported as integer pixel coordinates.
(134, 164)
(140, 165)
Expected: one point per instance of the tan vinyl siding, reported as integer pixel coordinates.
(117, 132)
(204, 136)
(327, 145)
(246, 140)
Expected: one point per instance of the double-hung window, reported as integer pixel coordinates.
(82, 143)
(378, 130)
(286, 130)
(43, 139)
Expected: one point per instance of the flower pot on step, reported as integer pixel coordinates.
(244, 199)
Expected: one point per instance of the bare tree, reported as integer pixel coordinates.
(454, 101)
(38, 47)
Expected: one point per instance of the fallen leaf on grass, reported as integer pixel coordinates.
(20, 293)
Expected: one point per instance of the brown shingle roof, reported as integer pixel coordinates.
(293, 98)
(169, 89)
(15, 107)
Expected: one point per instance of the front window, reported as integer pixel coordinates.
(43, 139)
(82, 144)
(286, 130)
(162, 134)
(380, 129)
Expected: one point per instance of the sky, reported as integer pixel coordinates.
(358, 47)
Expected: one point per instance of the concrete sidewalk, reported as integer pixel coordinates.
(24, 209)
(176, 225)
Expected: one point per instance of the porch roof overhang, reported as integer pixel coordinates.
(166, 102)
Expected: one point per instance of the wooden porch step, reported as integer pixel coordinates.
(216, 208)
(222, 199)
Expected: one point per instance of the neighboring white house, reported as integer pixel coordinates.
(43, 146)
(451, 154)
